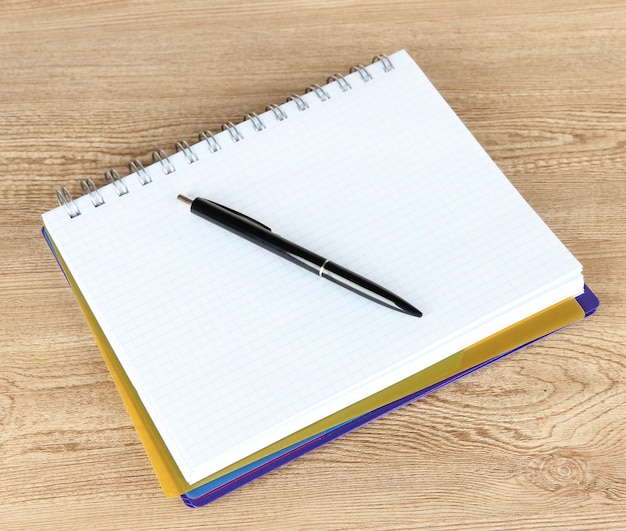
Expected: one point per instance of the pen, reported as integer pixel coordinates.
(262, 235)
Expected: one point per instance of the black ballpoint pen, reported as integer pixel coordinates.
(262, 235)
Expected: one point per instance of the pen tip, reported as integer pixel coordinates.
(185, 199)
(410, 309)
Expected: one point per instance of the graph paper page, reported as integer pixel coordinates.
(232, 348)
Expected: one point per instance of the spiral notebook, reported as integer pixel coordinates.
(373, 169)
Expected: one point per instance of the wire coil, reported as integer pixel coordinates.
(258, 124)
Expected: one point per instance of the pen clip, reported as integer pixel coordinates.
(240, 215)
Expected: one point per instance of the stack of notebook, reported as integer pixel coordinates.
(233, 361)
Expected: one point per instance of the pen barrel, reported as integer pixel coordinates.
(257, 233)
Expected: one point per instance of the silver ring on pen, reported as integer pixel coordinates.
(321, 273)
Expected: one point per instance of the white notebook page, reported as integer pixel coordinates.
(231, 347)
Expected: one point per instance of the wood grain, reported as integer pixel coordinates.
(536, 441)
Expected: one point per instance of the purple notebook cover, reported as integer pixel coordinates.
(207, 493)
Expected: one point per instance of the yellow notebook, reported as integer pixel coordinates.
(231, 351)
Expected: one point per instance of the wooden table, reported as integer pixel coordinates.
(535, 441)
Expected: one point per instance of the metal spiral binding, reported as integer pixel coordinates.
(166, 165)
(319, 92)
(363, 72)
(65, 199)
(387, 64)
(257, 123)
(341, 81)
(302, 105)
(89, 187)
(134, 166)
(210, 140)
(279, 113)
(112, 177)
(190, 154)
(235, 134)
